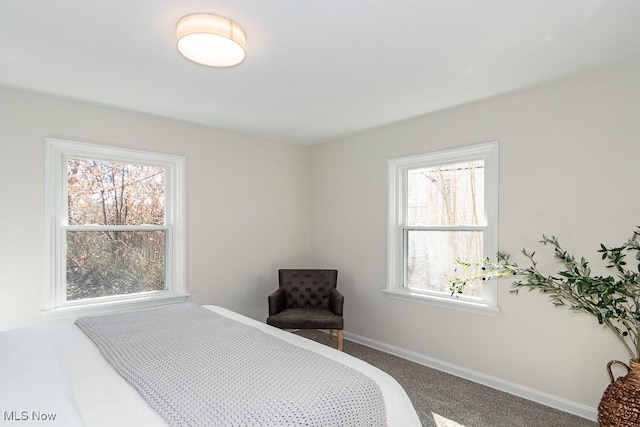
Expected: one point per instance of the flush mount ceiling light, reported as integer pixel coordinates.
(211, 40)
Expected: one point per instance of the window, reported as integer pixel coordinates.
(443, 206)
(115, 228)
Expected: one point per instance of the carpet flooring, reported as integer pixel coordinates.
(443, 400)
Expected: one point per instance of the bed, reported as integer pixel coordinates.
(59, 375)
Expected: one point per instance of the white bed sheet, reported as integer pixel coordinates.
(57, 370)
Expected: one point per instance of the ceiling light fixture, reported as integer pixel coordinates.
(211, 40)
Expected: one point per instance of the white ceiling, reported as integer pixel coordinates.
(315, 69)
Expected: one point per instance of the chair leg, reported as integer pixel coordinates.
(330, 335)
(340, 339)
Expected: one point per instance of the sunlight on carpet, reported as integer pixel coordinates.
(444, 422)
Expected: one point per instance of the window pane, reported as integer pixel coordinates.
(107, 193)
(446, 195)
(431, 257)
(106, 263)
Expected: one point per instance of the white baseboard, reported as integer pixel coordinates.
(543, 398)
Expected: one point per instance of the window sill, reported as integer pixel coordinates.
(443, 302)
(104, 307)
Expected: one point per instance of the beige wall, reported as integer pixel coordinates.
(569, 161)
(238, 232)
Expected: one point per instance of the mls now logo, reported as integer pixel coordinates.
(28, 415)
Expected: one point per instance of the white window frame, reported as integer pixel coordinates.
(397, 170)
(55, 306)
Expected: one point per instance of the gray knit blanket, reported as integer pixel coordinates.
(199, 368)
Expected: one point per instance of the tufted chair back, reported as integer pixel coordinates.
(307, 288)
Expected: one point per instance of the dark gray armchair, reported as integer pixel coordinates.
(307, 299)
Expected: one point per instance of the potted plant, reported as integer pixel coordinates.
(614, 300)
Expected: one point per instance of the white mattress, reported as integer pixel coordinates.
(57, 371)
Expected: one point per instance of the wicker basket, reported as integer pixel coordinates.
(620, 403)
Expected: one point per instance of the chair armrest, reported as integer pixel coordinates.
(277, 301)
(336, 301)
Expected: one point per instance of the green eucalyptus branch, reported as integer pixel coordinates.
(613, 300)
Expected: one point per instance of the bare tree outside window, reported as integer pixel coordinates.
(441, 201)
(116, 243)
